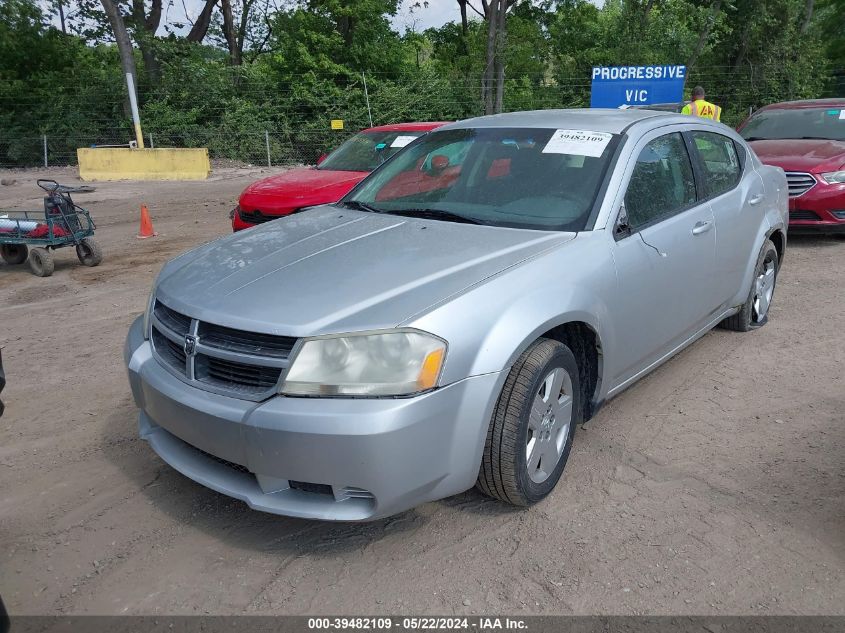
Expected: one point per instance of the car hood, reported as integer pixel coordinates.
(801, 154)
(298, 188)
(335, 270)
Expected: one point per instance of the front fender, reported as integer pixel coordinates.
(489, 326)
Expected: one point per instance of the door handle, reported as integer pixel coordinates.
(701, 227)
(756, 199)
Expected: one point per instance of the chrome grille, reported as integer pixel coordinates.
(219, 359)
(799, 183)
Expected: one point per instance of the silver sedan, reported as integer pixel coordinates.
(455, 317)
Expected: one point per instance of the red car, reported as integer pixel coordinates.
(329, 181)
(807, 140)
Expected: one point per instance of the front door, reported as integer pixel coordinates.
(665, 256)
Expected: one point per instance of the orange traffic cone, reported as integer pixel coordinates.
(146, 224)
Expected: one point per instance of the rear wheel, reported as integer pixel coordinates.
(755, 311)
(14, 253)
(41, 262)
(89, 252)
(530, 435)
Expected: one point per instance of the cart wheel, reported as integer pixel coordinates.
(41, 262)
(14, 253)
(89, 252)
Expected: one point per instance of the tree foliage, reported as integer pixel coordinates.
(289, 66)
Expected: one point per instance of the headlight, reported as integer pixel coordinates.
(389, 363)
(834, 177)
(147, 313)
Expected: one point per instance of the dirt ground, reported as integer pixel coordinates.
(714, 486)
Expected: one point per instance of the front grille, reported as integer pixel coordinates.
(246, 342)
(239, 376)
(255, 217)
(803, 214)
(169, 352)
(224, 360)
(304, 486)
(228, 464)
(799, 183)
(172, 320)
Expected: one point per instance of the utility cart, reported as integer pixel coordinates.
(30, 236)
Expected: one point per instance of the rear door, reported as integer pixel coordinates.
(736, 196)
(665, 258)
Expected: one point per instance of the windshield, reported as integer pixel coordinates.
(526, 178)
(367, 150)
(824, 123)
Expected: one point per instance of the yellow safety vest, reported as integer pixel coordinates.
(704, 109)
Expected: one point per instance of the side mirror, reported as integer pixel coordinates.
(623, 224)
(322, 157)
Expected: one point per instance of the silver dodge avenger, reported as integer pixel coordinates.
(453, 319)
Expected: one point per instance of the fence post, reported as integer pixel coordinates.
(44, 138)
(267, 143)
(367, 95)
(152, 145)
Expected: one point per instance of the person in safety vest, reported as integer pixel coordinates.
(699, 107)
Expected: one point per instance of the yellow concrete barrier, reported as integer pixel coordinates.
(123, 163)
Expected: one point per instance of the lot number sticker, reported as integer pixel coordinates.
(402, 141)
(578, 142)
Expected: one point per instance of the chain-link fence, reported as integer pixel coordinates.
(265, 125)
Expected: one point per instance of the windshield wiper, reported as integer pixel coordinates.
(435, 214)
(358, 206)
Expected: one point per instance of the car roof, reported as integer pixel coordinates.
(423, 126)
(593, 119)
(806, 103)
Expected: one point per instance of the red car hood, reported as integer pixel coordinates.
(801, 155)
(296, 188)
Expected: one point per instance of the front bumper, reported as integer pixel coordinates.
(820, 210)
(335, 459)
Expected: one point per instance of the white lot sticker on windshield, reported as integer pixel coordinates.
(578, 142)
(402, 141)
(842, 114)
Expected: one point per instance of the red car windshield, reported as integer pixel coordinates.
(800, 123)
(367, 150)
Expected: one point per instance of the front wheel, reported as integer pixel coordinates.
(530, 435)
(41, 262)
(14, 253)
(755, 311)
(89, 252)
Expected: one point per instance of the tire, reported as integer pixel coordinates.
(89, 252)
(41, 262)
(14, 253)
(755, 311)
(509, 469)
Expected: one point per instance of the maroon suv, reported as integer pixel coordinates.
(807, 140)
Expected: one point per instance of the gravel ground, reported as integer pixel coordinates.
(713, 486)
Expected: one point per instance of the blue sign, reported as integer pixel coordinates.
(615, 86)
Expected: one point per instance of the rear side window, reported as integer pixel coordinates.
(720, 161)
(662, 183)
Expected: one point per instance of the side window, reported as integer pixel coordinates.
(722, 168)
(662, 183)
